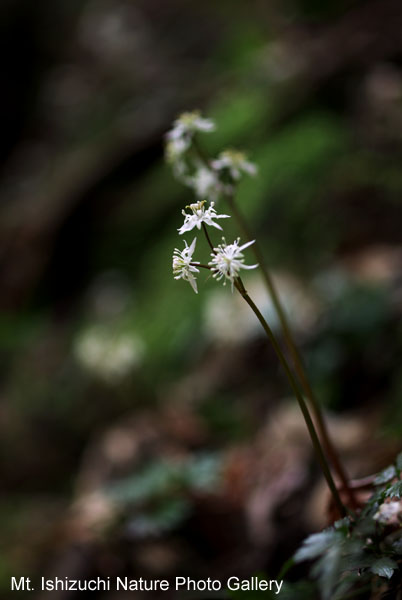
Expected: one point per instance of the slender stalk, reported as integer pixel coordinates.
(294, 352)
(310, 425)
(208, 238)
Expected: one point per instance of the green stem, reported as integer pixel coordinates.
(205, 230)
(294, 352)
(310, 425)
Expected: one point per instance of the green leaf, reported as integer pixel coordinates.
(398, 462)
(394, 490)
(327, 570)
(384, 567)
(343, 525)
(316, 544)
(356, 558)
(372, 504)
(353, 564)
(385, 475)
(345, 585)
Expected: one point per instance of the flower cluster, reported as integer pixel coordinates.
(227, 259)
(208, 179)
(179, 139)
(188, 123)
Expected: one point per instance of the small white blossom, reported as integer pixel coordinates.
(174, 153)
(205, 183)
(235, 163)
(178, 141)
(179, 137)
(189, 123)
(175, 148)
(182, 267)
(200, 215)
(228, 259)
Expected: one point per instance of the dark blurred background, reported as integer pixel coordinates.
(144, 430)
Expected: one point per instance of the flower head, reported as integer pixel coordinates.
(175, 149)
(189, 123)
(179, 138)
(182, 264)
(199, 214)
(235, 163)
(228, 259)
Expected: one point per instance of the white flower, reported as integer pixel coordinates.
(205, 183)
(200, 215)
(175, 155)
(178, 142)
(175, 148)
(179, 137)
(189, 123)
(227, 260)
(182, 267)
(235, 163)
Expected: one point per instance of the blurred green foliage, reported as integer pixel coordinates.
(158, 498)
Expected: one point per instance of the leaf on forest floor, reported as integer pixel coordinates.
(385, 476)
(384, 567)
